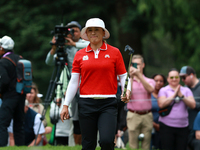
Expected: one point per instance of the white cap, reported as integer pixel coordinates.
(94, 22)
(7, 43)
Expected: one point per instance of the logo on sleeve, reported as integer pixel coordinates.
(85, 57)
(107, 56)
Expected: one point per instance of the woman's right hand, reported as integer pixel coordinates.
(64, 113)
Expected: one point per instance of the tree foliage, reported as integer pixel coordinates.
(165, 32)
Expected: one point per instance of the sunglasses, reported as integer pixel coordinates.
(172, 77)
(183, 77)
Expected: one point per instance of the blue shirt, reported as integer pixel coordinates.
(196, 125)
(155, 109)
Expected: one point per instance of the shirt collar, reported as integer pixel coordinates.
(7, 53)
(170, 88)
(103, 47)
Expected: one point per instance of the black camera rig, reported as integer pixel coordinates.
(60, 32)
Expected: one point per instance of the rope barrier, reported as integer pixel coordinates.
(196, 98)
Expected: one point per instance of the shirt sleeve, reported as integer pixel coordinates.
(161, 93)
(196, 125)
(72, 88)
(122, 79)
(120, 66)
(152, 83)
(50, 59)
(37, 123)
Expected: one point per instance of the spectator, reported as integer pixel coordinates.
(97, 103)
(155, 138)
(31, 126)
(174, 126)
(74, 43)
(35, 104)
(139, 116)
(13, 102)
(35, 101)
(196, 128)
(190, 79)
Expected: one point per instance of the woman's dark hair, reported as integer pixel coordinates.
(164, 78)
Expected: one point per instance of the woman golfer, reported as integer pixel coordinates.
(96, 67)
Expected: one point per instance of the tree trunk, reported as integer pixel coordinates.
(127, 38)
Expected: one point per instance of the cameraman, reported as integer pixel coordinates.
(74, 43)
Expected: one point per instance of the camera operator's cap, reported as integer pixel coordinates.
(94, 22)
(186, 70)
(73, 24)
(7, 43)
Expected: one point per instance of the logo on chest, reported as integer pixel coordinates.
(85, 57)
(107, 56)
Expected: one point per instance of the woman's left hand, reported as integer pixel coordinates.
(127, 97)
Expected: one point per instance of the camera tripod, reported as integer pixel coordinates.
(59, 66)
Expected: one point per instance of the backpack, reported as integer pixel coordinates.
(24, 75)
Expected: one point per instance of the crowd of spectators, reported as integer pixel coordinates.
(138, 123)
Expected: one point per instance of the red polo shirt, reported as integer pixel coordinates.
(98, 70)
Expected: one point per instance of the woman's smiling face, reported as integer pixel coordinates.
(95, 34)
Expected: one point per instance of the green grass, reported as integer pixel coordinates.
(49, 147)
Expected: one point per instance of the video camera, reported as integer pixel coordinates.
(60, 32)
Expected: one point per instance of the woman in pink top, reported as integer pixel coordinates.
(174, 127)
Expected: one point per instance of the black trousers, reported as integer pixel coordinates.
(155, 139)
(77, 129)
(193, 143)
(98, 115)
(173, 138)
(12, 108)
